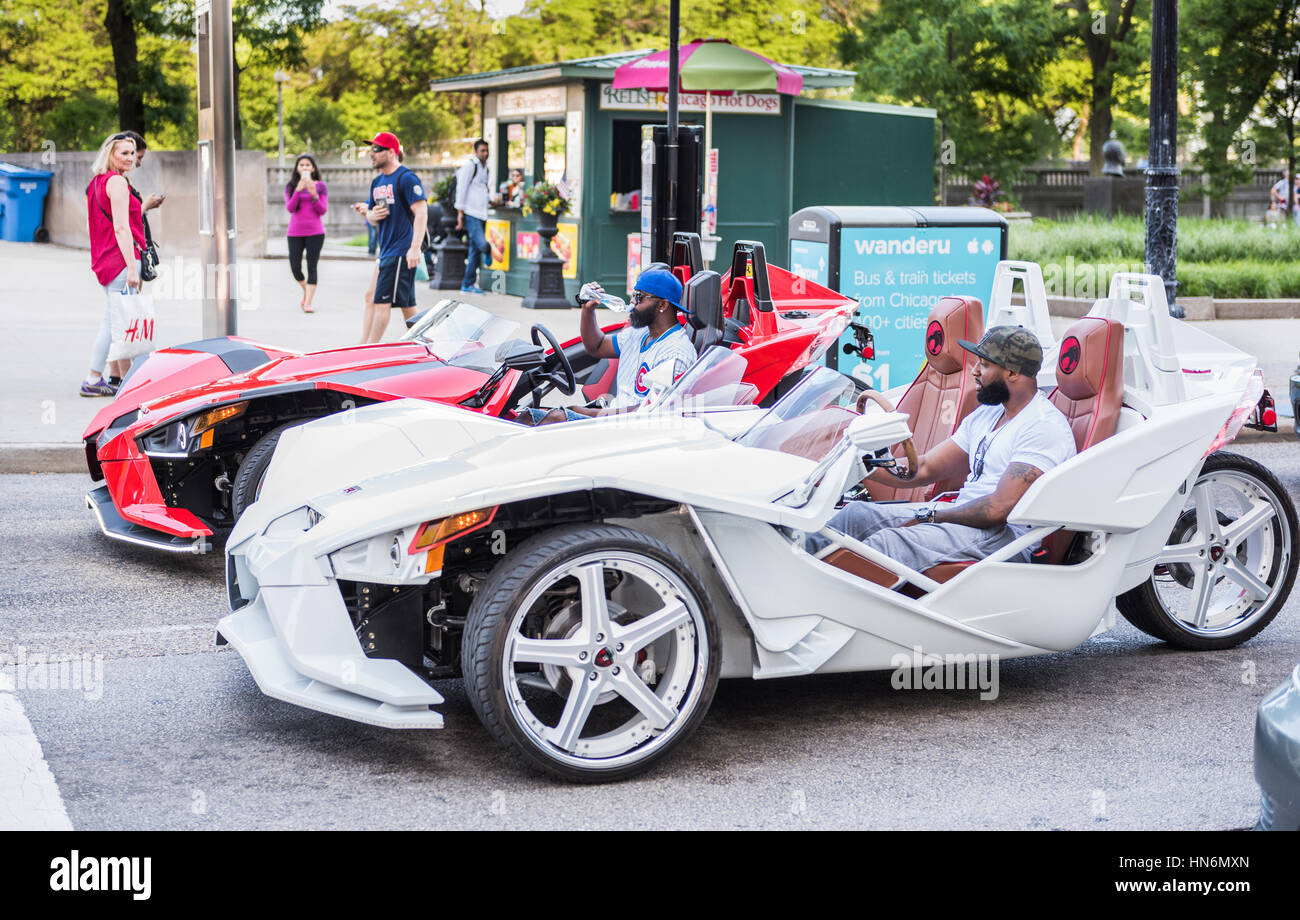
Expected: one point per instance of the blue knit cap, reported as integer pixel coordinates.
(659, 283)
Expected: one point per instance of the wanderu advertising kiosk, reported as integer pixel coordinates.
(898, 262)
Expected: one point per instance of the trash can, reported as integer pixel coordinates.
(897, 262)
(22, 202)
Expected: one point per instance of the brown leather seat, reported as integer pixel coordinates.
(943, 393)
(1090, 393)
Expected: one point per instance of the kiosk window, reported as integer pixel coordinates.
(553, 140)
(625, 171)
(515, 148)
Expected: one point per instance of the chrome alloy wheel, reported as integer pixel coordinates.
(1232, 548)
(634, 649)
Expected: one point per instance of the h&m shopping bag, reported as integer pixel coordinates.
(132, 325)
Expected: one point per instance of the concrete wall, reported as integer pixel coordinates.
(175, 224)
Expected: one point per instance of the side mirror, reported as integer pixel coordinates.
(869, 433)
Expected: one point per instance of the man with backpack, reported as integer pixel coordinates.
(471, 204)
(397, 207)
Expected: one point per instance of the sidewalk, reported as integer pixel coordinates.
(52, 308)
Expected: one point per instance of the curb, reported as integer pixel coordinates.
(1199, 309)
(42, 458)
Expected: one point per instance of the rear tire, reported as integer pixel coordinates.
(592, 650)
(248, 480)
(1230, 564)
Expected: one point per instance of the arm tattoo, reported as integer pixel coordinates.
(1023, 472)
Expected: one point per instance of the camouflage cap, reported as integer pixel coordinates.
(1012, 347)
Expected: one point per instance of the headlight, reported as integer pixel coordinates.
(300, 520)
(197, 432)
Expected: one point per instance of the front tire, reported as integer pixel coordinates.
(248, 480)
(1230, 562)
(592, 650)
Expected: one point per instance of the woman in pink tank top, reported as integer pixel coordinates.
(116, 241)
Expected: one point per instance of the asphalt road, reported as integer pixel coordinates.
(1120, 733)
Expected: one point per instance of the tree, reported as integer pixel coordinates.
(979, 64)
(1281, 101)
(1229, 50)
(1107, 35)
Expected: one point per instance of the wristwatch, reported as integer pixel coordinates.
(925, 515)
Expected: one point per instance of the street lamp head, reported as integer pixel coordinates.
(281, 77)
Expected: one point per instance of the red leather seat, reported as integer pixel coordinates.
(943, 393)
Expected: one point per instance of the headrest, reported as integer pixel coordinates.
(703, 298)
(952, 318)
(1090, 349)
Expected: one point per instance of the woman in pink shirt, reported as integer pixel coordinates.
(306, 201)
(116, 241)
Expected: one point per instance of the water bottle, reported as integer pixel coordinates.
(604, 298)
(616, 304)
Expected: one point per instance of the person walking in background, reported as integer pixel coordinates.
(306, 200)
(397, 207)
(471, 213)
(116, 226)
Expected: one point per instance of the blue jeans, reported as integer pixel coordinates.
(478, 248)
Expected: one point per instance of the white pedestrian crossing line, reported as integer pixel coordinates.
(29, 796)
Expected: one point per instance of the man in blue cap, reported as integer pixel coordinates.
(652, 337)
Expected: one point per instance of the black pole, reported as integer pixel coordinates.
(1162, 153)
(670, 148)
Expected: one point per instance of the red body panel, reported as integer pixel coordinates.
(175, 382)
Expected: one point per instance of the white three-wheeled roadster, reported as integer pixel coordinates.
(593, 581)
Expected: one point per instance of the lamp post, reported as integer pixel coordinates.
(281, 78)
(1162, 152)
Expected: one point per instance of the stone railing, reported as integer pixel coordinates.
(1059, 191)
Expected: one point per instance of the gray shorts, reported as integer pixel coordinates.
(920, 546)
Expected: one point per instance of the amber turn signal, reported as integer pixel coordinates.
(432, 533)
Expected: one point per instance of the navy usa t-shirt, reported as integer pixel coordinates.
(400, 190)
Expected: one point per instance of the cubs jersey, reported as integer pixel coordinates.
(638, 354)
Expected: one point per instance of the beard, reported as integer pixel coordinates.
(993, 393)
(640, 317)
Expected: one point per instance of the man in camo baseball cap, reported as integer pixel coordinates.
(1012, 347)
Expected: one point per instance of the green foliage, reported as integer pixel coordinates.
(1216, 258)
(979, 64)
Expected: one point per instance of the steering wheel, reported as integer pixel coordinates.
(557, 371)
(908, 448)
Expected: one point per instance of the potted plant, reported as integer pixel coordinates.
(986, 192)
(548, 201)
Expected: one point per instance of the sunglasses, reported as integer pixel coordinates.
(380, 150)
(639, 296)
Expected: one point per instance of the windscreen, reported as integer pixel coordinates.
(810, 420)
(463, 334)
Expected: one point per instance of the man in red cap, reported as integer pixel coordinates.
(397, 207)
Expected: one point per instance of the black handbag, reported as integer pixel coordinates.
(149, 256)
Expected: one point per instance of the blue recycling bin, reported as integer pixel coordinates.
(22, 201)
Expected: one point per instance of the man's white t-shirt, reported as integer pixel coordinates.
(638, 355)
(472, 189)
(1039, 435)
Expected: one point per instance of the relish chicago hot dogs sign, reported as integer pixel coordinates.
(648, 100)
